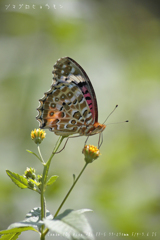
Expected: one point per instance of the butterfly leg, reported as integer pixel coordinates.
(100, 140)
(63, 146)
(86, 141)
(66, 143)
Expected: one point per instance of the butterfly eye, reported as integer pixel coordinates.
(70, 95)
(63, 97)
(51, 114)
(53, 105)
(73, 122)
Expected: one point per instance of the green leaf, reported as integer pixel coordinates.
(12, 236)
(71, 224)
(34, 154)
(33, 219)
(17, 230)
(19, 180)
(74, 177)
(13, 233)
(31, 222)
(52, 180)
(35, 182)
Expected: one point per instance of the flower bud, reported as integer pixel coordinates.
(91, 153)
(30, 184)
(39, 178)
(30, 173)
(38, 135)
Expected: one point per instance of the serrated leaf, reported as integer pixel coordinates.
(33, 219)
(19, 180)
(35, 215)
(52, 180)
(71, 224)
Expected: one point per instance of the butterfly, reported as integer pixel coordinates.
(70, 106)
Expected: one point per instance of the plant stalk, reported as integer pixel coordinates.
(74, 183)
(67, 195)
(39, 151)
(43, 185)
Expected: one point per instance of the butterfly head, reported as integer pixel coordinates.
(98, 128)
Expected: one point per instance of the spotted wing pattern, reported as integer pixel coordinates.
(70, 106)
(68, 70)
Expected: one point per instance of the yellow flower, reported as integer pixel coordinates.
(91, 153)
(38, 135)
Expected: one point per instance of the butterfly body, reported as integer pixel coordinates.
(70, 106)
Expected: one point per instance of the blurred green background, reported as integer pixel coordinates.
(117, 42)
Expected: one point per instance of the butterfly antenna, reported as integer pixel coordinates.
(110, 113)
(118, 122)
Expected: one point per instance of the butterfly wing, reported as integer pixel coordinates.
(69, 71)
(64, 110)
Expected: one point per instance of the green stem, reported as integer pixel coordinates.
(74, 183)
(39, 151)
(44, 180)
(42, 237)
(43, 208)
(58, 143)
